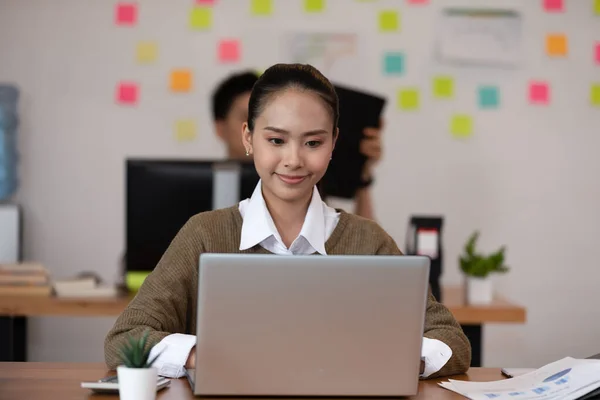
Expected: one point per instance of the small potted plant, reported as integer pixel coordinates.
(137, 377)
(478, 268)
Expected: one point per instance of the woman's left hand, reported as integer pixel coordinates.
(371, 147)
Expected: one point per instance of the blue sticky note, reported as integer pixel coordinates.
(489, 97)
(393, 63)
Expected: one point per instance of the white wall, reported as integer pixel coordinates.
(528, 178)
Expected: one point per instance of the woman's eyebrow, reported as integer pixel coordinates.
(285, 132)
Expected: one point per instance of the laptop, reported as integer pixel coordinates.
(271, 325)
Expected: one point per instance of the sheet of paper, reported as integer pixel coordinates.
(126, 14)
(314, 6)
(443, 87)
(261, 7)
(477, 36)
(539, 92)
(408, 99)
(200, 18)
(595, 94)
(229, 51)
(185, 130)
(146, 52)
(565, 379)
(556, 45)
(389, 21)
(554, 5)
(393, 63)
(127, 93)
(489, 97)
(461, 126)
(181, 80)
(428, 243)
(340, 56)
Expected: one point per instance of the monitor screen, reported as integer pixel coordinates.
(162, 195)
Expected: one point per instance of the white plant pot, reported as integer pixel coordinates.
(137, 383)
(479, 290)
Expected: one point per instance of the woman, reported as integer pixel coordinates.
(291, 132)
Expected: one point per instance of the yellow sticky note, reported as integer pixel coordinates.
(461, 126)
(556, 45)
(443, 86)
(146, 52)
(262, 7)
(597, 7)
(181, 80)
(312, 6)
(185, 130)
(595, 94)
(408, 99)
(389, 21)
(201, 18)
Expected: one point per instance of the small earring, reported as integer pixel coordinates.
(247, 153)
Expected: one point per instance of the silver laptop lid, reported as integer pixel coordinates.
(273, 325)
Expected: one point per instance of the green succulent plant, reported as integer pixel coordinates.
(135, 354)
(478, 265)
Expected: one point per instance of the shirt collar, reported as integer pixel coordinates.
(258, 225)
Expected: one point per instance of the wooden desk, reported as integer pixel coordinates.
(471, 318)
(61, 381)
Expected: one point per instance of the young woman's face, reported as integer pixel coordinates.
(292, 144)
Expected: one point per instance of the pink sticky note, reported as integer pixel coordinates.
(539, 92)
(418, 1)
(127, 93)
(229, 50)
(205, 2)
(553, 5)
(598, 53)
(126, 13)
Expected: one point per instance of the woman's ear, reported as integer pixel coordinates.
(247, 138)
(335, 138)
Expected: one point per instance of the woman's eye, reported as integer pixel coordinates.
(276, 141)
(313, 143)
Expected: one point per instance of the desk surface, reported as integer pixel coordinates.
(33, 381)
(500, 310)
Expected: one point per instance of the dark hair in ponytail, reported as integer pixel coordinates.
(281, 77)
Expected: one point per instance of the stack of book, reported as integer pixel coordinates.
(29, 279)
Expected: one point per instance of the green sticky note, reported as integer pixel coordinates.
(146, 52)
(311, 6)
(201, 18)
(389, 21)
(595, 94)
(488, 97)
(262, 7)
(393, 63)
(461, 126)
(443, 87)
(597, 7)
(408, 99)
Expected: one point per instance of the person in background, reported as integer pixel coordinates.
(291, 131)
(230, 111)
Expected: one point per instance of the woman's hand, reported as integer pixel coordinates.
(191, 361)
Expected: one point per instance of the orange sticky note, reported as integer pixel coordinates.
(127, 93)
(556, 44)
(181, 80)
(126, 14)
(229, 50)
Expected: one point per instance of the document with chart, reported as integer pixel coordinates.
(565, 379)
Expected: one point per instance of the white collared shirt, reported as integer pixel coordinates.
(258, 228)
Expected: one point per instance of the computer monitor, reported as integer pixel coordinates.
(161, 195)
